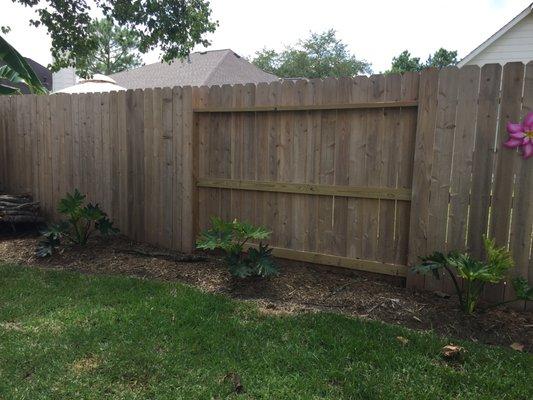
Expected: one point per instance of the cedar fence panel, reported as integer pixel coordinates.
(466, 184)
(294, 173)
(131, 152)
(366, 173)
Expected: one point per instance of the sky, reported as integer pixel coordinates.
(374, 30)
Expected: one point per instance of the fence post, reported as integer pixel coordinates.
(190, 197)
(425, 134)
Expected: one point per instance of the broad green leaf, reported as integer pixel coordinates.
(18, 64)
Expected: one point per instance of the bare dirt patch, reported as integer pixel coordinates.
(300, 287)
(85, 365)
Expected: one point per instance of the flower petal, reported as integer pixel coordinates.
(528, 122)
(528, 150)
(517, 135)
(513, 143)
(514, 128)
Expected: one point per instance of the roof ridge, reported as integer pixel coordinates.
(175, 60)
(218, 65)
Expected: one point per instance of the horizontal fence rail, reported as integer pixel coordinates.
(368, 173)
(303, 188)
(351, 106)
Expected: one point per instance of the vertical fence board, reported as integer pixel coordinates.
(373, 166)
(390, 144)
(506, 165)
(441, 166)
(423, 161)
(314, 122)
(483, 159)
(177, 151)
(522, 216)
(406, 149)
(189, 146)
(282, 164)
(166, 165)
(461, 179)
(341, 168)
(150, 165)
(300, 224)
(327, 166)
(157, 168)
(355, 226)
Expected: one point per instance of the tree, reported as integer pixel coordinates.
(16, 70)
(318, 56)
(116, 51)
(174, 26)
(405, 63)
(442, 58)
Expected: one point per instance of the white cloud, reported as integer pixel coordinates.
(374, 30)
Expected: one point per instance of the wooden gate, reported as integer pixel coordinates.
(325, 164)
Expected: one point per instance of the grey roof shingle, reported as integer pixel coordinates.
(217, 67)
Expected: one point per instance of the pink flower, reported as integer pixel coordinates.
(521, 135)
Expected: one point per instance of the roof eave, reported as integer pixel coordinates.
(496, 36)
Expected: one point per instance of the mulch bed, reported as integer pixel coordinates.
(300, 287)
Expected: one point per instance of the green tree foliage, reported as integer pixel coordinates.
(116, 50)
(405, 62)
(318, 56)
(174, 26)
(16, 70)
(442, 58)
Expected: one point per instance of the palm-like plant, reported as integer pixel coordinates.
(475, 273)
(17, 70)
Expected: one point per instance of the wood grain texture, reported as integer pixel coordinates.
(423, 161)
(365, 172)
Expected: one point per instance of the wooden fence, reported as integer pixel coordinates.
(131, 152)
(364, 173)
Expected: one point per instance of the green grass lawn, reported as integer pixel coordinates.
(70, 336)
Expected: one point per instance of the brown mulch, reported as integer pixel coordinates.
(300, 287)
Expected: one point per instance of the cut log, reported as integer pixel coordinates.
(23, 198)
(19, 219)
(15, 209)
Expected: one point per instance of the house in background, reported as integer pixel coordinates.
(513, 42)
(216, 67)
(43, 73)
(64, 78)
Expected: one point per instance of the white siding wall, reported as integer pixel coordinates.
(515, 45)
(63, 78)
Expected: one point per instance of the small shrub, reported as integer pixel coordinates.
(475, 273)
(82, 221)
(523, 291)
(231, 237)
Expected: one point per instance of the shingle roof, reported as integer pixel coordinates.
(217, 67)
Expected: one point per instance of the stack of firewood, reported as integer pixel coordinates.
(17, 209)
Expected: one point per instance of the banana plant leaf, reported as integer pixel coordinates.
(17, 70)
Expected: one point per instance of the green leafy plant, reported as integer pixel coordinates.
(16, 70)
(82, 221)
(475, 273)
(523, 291)
(231, 237)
